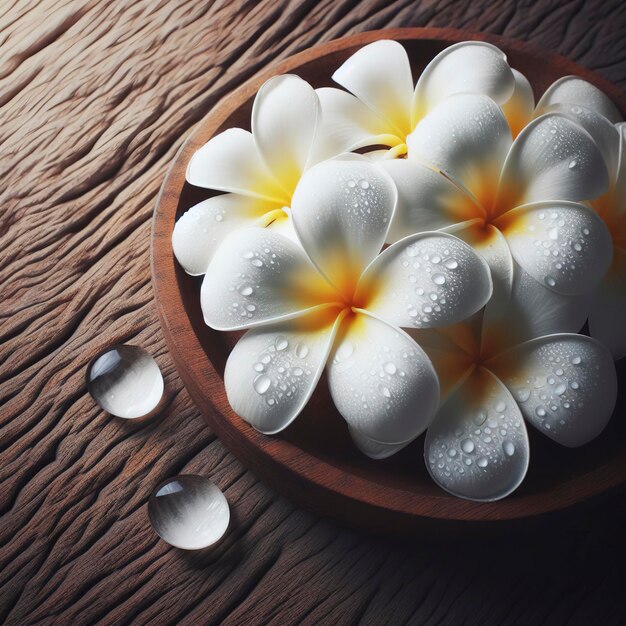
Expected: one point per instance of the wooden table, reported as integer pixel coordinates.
(95, 99)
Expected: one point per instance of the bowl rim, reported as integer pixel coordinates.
(305, 478)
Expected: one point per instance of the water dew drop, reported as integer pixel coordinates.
(390, 368)
(363, 184)
(439, 279)
(302, 350)
(572, 164)
(482, 461)
(467, 445)
(281, 343)
(384, 390)
(125, 381)
(508, 447)
(451, 264)
(262, 384)
(576, 360)
(246, 290)
(189, 512)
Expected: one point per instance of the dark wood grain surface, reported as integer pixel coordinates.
(95, 100)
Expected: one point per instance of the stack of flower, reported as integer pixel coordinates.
(440, 280)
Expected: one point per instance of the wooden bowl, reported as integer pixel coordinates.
(314, 461)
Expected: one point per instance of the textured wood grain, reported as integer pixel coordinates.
(95, 99)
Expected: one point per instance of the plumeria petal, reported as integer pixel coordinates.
(427, 200)
(272, 371)
(491, 244)
(576, 91)
(230, 162)
(519, 108)
(601, 130)
(341, 211)
(466, 67)
(566, 385)
(563, 245)
(467, 137)
(608, 308)
(258, 276)
(617, 199)
(379, 75)
(200, 230)
(284, 122)
(425, 280)
(381, 381)
(553, 158)
(477, 446)
(529, 311)
(348, 124)
(375, 449)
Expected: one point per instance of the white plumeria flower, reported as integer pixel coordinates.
(334, 302)
(514, 201)
(385, 107)
(259, 170)
(608, 304)
(570, 95)
(565, 385)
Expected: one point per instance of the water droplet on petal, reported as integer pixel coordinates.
(245, 290)
(390, 368)
(281, 343)
(467, 445)
(482, 461)
(189, 512)
(439, 279)
(508, 447)
(262, 384)
(302, 350)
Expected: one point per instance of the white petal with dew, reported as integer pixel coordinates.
(553, 158)
(381, 381)
(284, 122)
(601, 130)
(347, 124)
(426, 280)
(520, 107)
(374, 449)
(341, 211)
(565, 385)
(200, 230)
(563, 245)
(576, 91)
(530, 311)
(258, 276)
(466, 67)
(477, 446)
(427, 200)
(379, 75)
(230, 162)
(272, 371)
(468, 138)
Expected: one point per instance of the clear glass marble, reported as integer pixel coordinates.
(125, 381)
(189, 512)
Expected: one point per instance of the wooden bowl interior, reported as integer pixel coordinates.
(321, 433)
